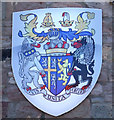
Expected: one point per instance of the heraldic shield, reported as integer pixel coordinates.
(57, 56)
(56, 69)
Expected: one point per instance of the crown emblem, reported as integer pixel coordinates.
(59, 48)
(66, 20)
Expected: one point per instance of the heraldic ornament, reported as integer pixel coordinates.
(57, 56)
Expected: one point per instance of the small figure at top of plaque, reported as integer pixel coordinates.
(66, 20)
(47, 21)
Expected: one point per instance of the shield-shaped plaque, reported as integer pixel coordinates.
(57, 56)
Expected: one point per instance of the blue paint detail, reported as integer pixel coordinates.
(58, 87)
(62, 34)
(20, 34)
(32, 51)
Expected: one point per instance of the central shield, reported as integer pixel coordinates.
(56, 69)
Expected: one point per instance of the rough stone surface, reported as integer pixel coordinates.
(98, 90)
(99, 102)
(12, 81)
(106, 7)
(102, 110)
(23, 109)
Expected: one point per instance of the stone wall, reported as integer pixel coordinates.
(97, 105)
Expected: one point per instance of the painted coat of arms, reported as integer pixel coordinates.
(57, 56)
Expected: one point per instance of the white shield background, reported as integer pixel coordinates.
(57, 108)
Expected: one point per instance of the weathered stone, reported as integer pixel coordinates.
(107, 25)
(4, 109)
(107, 38)
(110, 76)
(103, 110)
(14, 94)
(107, 52)
(97, 100)
(29, 6)
(6, 44)
(97, 90)
(11, 110)
(24, 109)
(6, 31)
(0, 110)
(10, 74)
(81, 111)
(105, 6)
(103, 75)
(107, 88)
(7, 7)
(107, 65)
(65, 4)
(7, 63)
(108, 98)
(6, 23)
(12, 81)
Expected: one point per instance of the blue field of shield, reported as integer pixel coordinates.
(56, 69)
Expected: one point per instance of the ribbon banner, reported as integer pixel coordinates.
(57, 56)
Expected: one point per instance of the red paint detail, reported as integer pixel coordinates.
(84, 87)
(44, 75)
(77, 45)
(29, 88)
(63, 14)
(48, 43)
(43, 87)
(56, 46)
(40, 73)
(67, 54)
(75, 69)
(69, 73)
(63, 44)
(38, 45)
(68, 87)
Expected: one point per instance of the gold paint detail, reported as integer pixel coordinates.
(49, 70)
(56, 50)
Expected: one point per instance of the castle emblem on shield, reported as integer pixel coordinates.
(53, 62)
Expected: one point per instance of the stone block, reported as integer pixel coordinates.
(64, 4)
(98, 90)
(107, 88)
(29, 6)
(107, 38)
(107, 52)
(6, 31)
(103, 75)
(8, 9)
(107, 25)
(105, 6)
(103, 110)
(14, 94)
(12, 81)
(23, 109)
(6, 23)
(6, 44)
(4, 109)
(97, 100)
(81, 111)
(10, 74)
